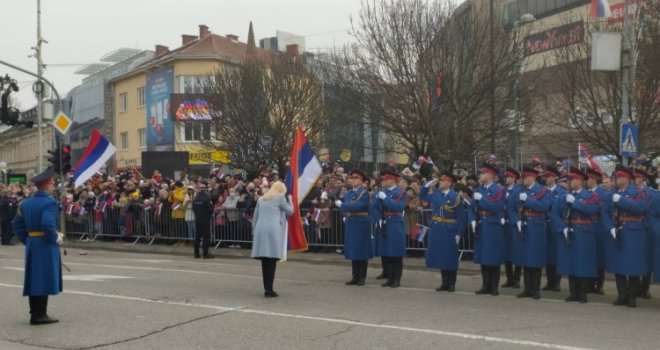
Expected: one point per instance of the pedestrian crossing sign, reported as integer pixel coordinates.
(629, 140)
(62, 123)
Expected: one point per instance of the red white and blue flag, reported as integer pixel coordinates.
(98, 152)
(600, 8)
(586, 158)
(304, 171)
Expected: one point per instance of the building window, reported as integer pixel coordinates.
(196, 131)
(142, 137)
(141, 99)
(124, 140)
(123, 102)
(194, 84)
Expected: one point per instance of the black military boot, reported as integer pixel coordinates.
(452, 281)
(397, 272)
(485, 281)
(383, 274)
(355, 268)
(387, 268)
(445, 281)
(510, 281)
(362, 272)
(39, 311)
(495, 280)
(536, 293)
(644, 291)
(582, 289)
(599, 282)
(527, 283)
(622, 290)
(572, 291)
(633, 291)
(516, 277)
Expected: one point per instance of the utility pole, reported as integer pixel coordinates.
(628, 66)
(40, 95)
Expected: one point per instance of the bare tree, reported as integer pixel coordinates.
(261, 104)
(427, 69)
(587, 105)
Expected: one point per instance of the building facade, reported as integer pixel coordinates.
(162, 104)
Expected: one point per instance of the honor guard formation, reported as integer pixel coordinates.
(569, 223)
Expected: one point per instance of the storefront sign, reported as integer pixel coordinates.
(555, 38)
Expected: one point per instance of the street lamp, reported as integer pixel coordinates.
(518, 159)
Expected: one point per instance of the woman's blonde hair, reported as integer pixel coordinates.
(276, 189)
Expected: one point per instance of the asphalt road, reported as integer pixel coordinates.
(141, 301)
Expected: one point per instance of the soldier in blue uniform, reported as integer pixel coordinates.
(390, 202)
(641, 178)
(533, 206)
(512, 239)
(579, 226)
(654, 223)
(36, 226)
(358, 245)
(489, 209)
(446, 229)
(555, 247)
(594, 184)
(625, 224)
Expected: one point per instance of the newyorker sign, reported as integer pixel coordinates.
(555, 38)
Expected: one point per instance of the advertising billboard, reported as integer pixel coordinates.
(160, 122)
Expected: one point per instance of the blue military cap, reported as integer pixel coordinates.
(43, 177)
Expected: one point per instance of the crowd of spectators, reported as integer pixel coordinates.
(128, 204)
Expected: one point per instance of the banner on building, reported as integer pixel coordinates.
(186, 107)
(202, 155)
(562, 36)
(160, 123)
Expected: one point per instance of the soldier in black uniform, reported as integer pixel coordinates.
(8, 209)
(203, 208)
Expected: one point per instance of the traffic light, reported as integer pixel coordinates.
(54, 159)
(66, 159)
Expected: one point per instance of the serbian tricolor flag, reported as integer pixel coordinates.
(304, 171)
(586, 158)
(600, 8)
(98, 152)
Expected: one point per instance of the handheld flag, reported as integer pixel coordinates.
(586, 158)
(600, 8)
(304, 170)
(98, 152)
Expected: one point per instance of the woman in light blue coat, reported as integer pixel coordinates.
(269, 230)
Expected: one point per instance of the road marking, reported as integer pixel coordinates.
(240, 309)
(374, 286)
(94, 278)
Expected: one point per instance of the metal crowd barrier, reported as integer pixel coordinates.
(324, 228)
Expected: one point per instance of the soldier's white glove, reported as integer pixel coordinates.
(474, 226)
(616, 198)
(613, 232)
(382, 195)
(566, 233)
(503, 221)
(519, 225)
(380, 223)
(338, 203)
(523, 196)
(477, 196)
(431, 183)
(570, 198)
(60, 238)
(458, 239)
(324, 195)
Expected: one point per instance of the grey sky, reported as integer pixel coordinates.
(81, 31)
